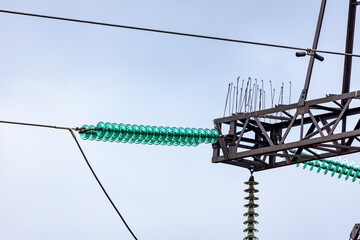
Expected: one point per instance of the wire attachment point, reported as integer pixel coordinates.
(310, 52)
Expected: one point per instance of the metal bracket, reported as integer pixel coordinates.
(355, 233)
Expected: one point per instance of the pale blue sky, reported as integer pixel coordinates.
(71, 74)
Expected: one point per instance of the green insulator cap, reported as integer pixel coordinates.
(93, 133)
(142, 134)
(129, 130)
(116, 132)
(357, 167)
(342, 171)
(195, 135)
(328, 167)
(305, 164)
(202, 135)
(182, 136)
(335, 168)
(122, 132)
(321, 166)
(129, 133)
(85, 135)
(189, 136)
(108, 132)
(356, 174)
(350, 171)
(149, 132)
(176, 135)
(169, 135)
(156, 137)
(215, 136)
(135, 133)
(208, 135)
(156, 134)
(312, 165)
(162, 135)
(100, 129)
(333, 171)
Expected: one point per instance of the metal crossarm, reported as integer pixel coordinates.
(259, 140)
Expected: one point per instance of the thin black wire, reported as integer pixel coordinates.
(107, 195)
(28, 124)
(86, 160)
(177, 33)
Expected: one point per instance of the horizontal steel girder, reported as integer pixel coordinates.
(265, 139)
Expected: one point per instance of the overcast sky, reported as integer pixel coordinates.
(70, 74)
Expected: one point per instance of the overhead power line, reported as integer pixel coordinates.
(71, 130)
(177, 33)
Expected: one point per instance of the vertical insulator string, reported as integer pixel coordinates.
(251, 214)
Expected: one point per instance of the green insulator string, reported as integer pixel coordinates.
(335, 166)
(251, 214)
(113, 132)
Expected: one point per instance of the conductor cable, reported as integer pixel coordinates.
(176, 33)
(71, 130)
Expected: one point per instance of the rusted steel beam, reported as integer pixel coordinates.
(288, 146)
